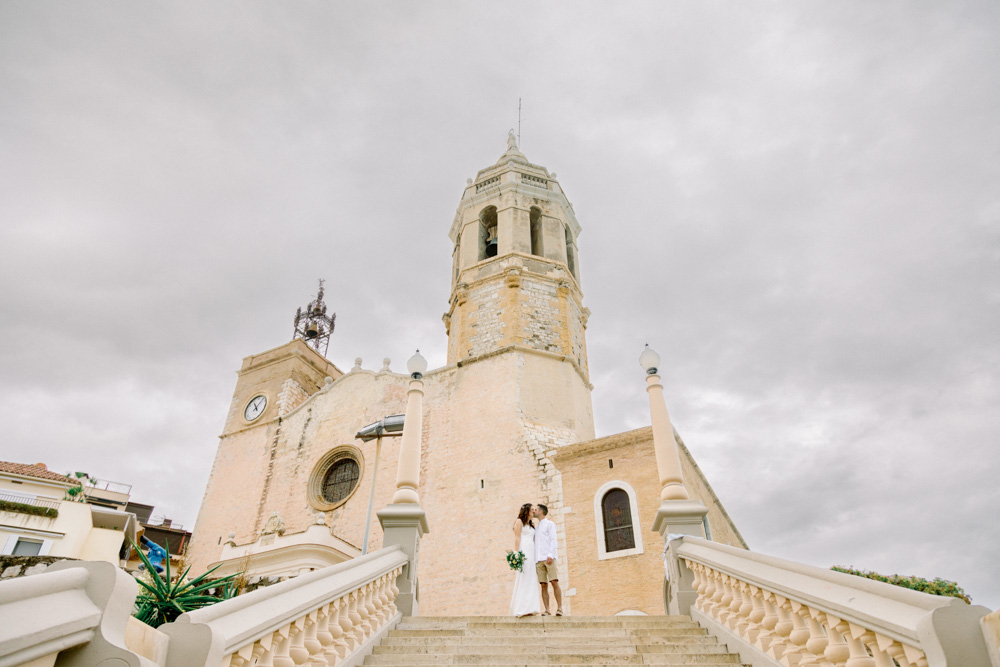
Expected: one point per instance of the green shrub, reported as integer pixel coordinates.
(25, 508)
(937, 587)
(163, 601)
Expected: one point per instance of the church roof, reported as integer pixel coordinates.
(37, 470)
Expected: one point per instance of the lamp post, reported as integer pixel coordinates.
(403, 521)
(391, 426)
(408, 472)
(678, 514)
(668, 459)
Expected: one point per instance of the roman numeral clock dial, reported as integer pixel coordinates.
(255, 408)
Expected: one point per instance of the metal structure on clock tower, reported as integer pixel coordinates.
(313, 325)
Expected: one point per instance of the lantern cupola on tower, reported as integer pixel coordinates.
(313, 325)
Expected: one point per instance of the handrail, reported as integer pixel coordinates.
(324, 616)
(806, 615)
(77, 608)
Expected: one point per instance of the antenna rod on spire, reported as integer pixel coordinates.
(519, 121)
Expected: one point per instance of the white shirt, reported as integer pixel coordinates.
(545, 541)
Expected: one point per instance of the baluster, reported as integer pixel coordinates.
(859, 654)
(800, 634)
(706, 598)
(347, 623)
(297, 650)
(877, 646)
(382, 600)
(364, 624)
(311, 641)
(393, 592)
(756, 615)
(746, 606)
(283, 646)
(263, 651)
(327, 654)
(726, 600)
(837, 652)
(373, 617)
(818, 639)
(358, 633)
(717, 595)
(698, 584)
(734, 605)
(339, 642)
(767, 634)
(772, 618)
(791, 653)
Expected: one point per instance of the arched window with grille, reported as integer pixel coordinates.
(618, 533)
(616, 514)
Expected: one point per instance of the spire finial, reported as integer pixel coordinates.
(511, 141)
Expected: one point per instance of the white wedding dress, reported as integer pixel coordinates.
(526, 598)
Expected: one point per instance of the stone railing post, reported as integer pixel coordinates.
(404, 522)
(678, 513)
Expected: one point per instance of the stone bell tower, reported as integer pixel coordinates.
(516, 269)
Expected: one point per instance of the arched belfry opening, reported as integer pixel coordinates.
(488, 233)
(535, 217)
(570, 253)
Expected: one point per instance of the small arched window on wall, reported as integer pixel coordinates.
(570, 253)
(619, 532)
(535, 216)
(488, 233)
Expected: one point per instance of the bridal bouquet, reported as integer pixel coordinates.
(516, 560)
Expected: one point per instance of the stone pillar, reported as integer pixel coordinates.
(678, 514)
(404, 522)
(668, 457)
(408, 470)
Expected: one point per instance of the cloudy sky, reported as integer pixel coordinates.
(797, 204)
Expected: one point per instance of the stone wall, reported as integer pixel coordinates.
(632, 582)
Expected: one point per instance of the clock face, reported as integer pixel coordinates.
(255, 408)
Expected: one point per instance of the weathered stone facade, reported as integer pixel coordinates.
(514, 394)
(611, 584)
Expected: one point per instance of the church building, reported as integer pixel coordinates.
(507, 420)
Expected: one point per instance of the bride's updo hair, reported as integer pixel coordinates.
(525, 514)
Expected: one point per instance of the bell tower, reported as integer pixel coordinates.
(516, 268)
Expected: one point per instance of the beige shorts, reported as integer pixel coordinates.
(546, 572)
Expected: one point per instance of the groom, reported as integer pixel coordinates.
(545, 554)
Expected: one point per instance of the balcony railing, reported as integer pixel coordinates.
(28, 500)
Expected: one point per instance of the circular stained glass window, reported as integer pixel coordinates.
(340, 480)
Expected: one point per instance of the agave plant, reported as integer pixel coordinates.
(162, 601)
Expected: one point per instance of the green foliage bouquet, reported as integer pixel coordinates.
(937, 587)
(516, 560)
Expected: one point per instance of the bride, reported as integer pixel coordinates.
(525, 601)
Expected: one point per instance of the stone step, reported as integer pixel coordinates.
(592, 647)
(513, 619)
(679, 631)
(589, 659)
(549, 622)
(545, 640)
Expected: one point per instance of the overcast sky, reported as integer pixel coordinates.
(797, 205)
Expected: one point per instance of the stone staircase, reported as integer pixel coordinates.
(566, 640)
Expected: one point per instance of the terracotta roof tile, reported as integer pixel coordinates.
(32, 470)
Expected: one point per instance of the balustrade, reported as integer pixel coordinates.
(323, 618)
(797, 615)
(487, 184)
